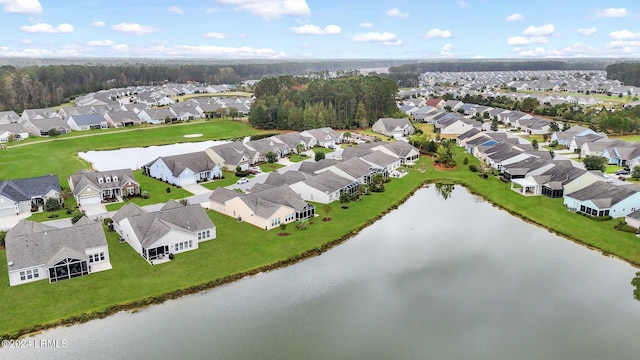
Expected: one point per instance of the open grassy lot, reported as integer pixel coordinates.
(629, 138)
(267, 167)
(59, 156)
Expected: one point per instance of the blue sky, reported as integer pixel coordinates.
(320, 29)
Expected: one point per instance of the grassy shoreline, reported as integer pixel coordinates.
(242, 250)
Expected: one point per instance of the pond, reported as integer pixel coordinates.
(434, 279)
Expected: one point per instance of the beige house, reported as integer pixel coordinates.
(266, 209)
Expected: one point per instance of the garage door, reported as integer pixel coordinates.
(89, 200)
(7, 211)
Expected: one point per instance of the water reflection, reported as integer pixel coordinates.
(636, 286)
(444, 190)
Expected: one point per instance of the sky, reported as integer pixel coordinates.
(320, 29)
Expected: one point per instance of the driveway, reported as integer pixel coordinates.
(94, 210)
(7, 222)
(196, 189)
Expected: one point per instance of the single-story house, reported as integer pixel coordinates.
(157, 236)
(232, 155)
(184, 169)
(87, 122)
(324, 188)
(36, 251)
(122, 118)
(26, 195)
(266, 208)
(13, 132)
(604, 199)
(90, 187)
(395, 128)
(325, 137)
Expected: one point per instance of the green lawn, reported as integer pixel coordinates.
(240, 247)
(298, 158)
(229, 179)
(267, 167)
(157, 192)
(321, 149)
(629, 138)
(60, 155)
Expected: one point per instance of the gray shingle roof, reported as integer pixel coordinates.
(196, 161)
(25, 189)
(84, 178)
(328, 182)
(602, 194)
(31, 244)
(88, 120)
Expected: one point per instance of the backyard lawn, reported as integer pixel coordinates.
(298, 158)
(240, 247)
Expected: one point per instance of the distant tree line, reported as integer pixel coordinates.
(506, 65)
(626, 72)
(299, 103)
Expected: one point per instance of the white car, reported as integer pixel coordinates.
(256, 169)
(243, 180)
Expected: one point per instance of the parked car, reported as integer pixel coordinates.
(243, 180)
(622, 172)
(255, 170)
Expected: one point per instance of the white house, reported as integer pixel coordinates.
(158, 236)
(184, 169)
(395, 128)
(604, 199)
(324, 188)
(36, 251)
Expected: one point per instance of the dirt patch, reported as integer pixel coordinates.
(283, 234)
(326, 219)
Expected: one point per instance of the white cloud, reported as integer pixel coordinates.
(42, 28)
(397, 13)
(533, 52)
(202, 50)
(544, 30)
(101, 43)
(518, 40)
(612, 13)
(624, 35)
(121, 48)
(587, 31)
(316, 30)
(375, 37)
(22, 6)
(134, 28)
(396, 42)
(446, 50)
(214, 35)
(269, 9)
(462, 4)
(515, 17)
(98, 24)
(26, 41)
(437, 33)
(366, 25)
(176, 10)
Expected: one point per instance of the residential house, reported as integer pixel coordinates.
(87, 122)
(40, 122)
(90, 187)
(157, 115)
(436, 103)
(122, 118)
(395, 128)
(184, 169)
(267, 145)
(407, 153)
(382, 162)
(233, 155)
(7, 117)
(27, 195)
(422, 113)
(158, 236)
(13, 132)
(324, 188)
(604, 199)
(324, 137)
(564, 137)
(266, 209)
(293, 140)
(623, 154)
(36, 251)
(65, 112)
(455, 125)
(633, 219)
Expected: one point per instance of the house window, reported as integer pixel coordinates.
(181, 246)
(107, 179)
(208, 233)
(22, 276)
(100, 180)
(36, 274)
(199, 236)
(177, 247)
(190, 243)
(115, 178)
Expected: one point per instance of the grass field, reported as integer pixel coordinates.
(240, 247)
(298, 158)
(629, 138)
(157, 192)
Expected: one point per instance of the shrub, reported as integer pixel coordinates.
(3, 235)
(466, 160)
(52, 205)
(168, 190)
(144, 194)
(53, 216)
(473, 168)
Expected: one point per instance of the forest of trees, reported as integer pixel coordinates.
(506, 65)
(296, 103)
(626, 72)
